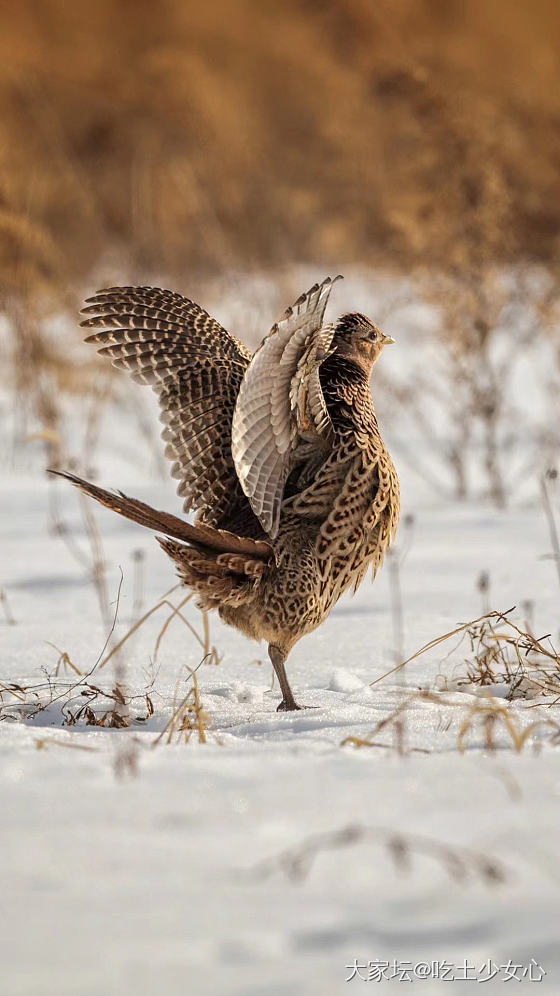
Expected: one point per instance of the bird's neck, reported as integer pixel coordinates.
(352, 354)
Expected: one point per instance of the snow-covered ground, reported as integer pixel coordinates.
(134, 867)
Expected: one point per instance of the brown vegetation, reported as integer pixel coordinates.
(175, 136)
(460, 863)
(175, 142)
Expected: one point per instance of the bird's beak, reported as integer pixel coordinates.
(387, 339)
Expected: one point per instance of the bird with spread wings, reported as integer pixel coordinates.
(279, 454)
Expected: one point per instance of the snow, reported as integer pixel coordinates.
(130, 867)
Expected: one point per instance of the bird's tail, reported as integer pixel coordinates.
(223, 579)
(220, 566)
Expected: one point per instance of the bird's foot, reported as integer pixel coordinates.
(288, 705)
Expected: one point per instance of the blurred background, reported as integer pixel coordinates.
(204, 144)
(238, 151)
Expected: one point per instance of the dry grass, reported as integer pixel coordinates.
(188, 717)
(6, 608)
(504, 663)
(187, 136)
(460, 863)
(210, 653)
(182, 144)
(84, 701)
(492, 327)
(81, 702)
(184, 140)
(507, 657)
(488, 715)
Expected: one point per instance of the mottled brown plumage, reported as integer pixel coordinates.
(280, 455)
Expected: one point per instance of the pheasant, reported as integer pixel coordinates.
(279, 454)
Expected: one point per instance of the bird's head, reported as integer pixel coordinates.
(360, 339)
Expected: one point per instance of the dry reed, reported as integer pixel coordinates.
(460, 863)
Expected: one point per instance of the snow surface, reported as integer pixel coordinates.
(116, 880)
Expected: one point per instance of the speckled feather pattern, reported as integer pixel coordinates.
(280, 451)
(195, 367)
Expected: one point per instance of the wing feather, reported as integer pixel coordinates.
(280, 400)
(168, 342)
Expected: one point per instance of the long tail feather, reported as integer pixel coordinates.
(200, 536)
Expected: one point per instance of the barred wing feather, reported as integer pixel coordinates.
(164, 340)
(280, 403)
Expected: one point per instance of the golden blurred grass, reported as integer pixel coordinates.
(178, 136)
(173, 141)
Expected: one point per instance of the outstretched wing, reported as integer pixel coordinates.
(196, 369)
(280, 403)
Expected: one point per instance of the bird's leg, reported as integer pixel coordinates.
(278, 657)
